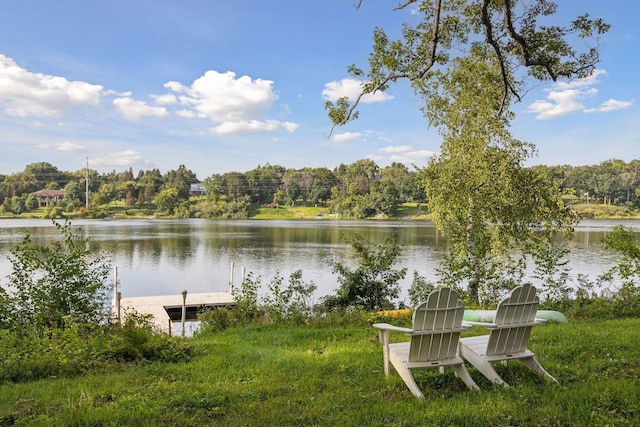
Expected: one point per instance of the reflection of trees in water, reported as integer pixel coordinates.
(194, 252)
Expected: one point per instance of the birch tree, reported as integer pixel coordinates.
(470, 60)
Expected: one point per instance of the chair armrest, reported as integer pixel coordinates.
(411, 332)
(536, 322)
(470, 323)
(388, 327)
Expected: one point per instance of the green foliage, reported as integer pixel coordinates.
(420, 289)
(623, 241)
(289, 303)
(167, 201)
(77, 350)
(445, 32)
(552, 272)
(373, 284)
(59, 284)
(247, 309)
(489, 205)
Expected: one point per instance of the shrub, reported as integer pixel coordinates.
(373, 284)
(57, 285)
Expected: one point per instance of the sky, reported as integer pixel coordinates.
(222, 86)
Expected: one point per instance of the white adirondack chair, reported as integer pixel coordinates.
(508, 337)
(437, 324)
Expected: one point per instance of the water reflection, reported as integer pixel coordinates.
(157, 257)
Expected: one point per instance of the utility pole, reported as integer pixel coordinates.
(86, 186)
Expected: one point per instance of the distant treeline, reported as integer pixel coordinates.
(359, 190)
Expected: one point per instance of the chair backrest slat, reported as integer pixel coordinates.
(442, 310)
(519, 308)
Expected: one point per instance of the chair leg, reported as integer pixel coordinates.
(535, 366)
(384, 339)
(405, 374)
(481, 364)
(463, 374)
(407, 377)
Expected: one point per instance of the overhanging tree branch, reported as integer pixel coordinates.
(543, 50)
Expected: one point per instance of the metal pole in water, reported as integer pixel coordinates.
(184, 310)
(231, 278)
(115, 281)
(118, 298)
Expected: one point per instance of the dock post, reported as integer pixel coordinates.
(231, 278)
(184, 310)
(118, 298)
(115, 281)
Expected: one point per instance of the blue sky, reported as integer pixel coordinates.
(224, 86)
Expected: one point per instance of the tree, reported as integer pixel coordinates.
(167, 200)
(73, 194)
(450, 30)
(464, 58)
(59, 284)
(323, 181)
(478, 190)
(373, 284)
(180, 179)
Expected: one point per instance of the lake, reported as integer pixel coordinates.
(158, 257)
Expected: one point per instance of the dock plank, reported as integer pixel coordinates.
(157, 305)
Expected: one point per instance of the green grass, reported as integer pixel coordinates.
(332, 376)
(291, 212)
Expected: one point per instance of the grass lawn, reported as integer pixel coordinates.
(332, 376)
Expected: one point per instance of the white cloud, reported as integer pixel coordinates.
(236, 105)
(613, 105)
(567, 97)
(23, 93)
(351, 88)
(346, 137)
(167, 99)
(395, 149)
(252, 126)
(401, 154)
(123, 159)
(134, 110)
(69, 147)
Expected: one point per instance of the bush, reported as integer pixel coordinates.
(57, 285)
(75, 350)
(373, 284)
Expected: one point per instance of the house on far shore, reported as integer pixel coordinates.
(49, 197)
(196, 189)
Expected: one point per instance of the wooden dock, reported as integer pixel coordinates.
(165, 309)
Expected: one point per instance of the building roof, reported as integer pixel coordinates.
(49, 193)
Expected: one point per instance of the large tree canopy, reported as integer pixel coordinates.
(523, 46)
(469, 60)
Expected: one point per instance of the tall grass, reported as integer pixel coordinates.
(332, 376)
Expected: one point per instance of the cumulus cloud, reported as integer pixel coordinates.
(351, 89)
(568, 97)
(134, 110)
(70, 147)
(23, 93)
(252, 126)
(122, 159)
(396, 149)
(613, 105)
(346, 137)
(401, 154)
(235, 104)
(167, 99)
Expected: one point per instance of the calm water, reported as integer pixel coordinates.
(157, 257)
